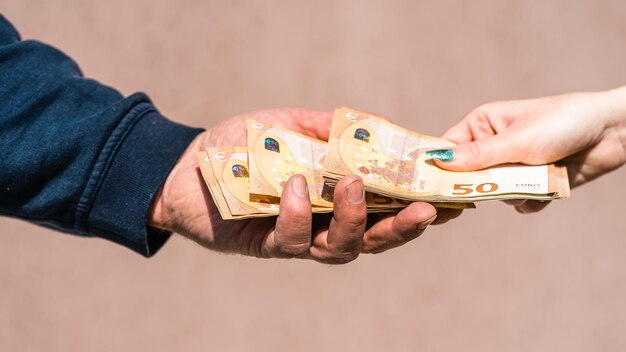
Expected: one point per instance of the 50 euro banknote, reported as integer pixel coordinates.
(225, 171)
(275, 154)
(392, 162)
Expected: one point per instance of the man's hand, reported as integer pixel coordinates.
(184, 205)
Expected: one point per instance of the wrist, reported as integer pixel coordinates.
(162, 212)
(155, 213)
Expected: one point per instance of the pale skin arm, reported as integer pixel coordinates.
(586, 132)
(184, 205)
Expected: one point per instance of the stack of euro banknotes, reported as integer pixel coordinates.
(247, 181)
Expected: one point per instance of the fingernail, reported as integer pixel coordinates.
(423, 225)
(441, 154)
(298, 185)
(355, 192)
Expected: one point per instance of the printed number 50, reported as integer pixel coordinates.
(461, 189)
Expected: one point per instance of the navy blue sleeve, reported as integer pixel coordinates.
(76, 155)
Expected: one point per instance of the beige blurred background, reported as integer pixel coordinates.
(493, 280)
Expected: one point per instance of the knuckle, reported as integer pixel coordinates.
(479, 115)
(346, 246)
(344, 258)
(354, 220)
(619, 160)
(487, 108)
(474, 150)
(294, 215)
(292, 237)
(293, 223)
(294, 250)
(411, 235)
(341, 258)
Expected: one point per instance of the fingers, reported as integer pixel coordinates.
(532, 206)
(514, 202)
(484, 121)
(483, 140)
(459, 133)
(444, 215)
(393, 231)
(526, 206)
(291, 237)
(341, 242)
(346, 237)
(477, 155)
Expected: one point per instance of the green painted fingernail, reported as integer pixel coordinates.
(441, 154)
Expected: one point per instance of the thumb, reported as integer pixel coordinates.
(477, 155)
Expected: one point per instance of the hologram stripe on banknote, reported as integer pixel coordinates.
(276, 154)
(384, 155)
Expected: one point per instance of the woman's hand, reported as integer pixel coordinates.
(586, 132)
(184, 205)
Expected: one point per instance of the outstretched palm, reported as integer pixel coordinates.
(185, 205)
